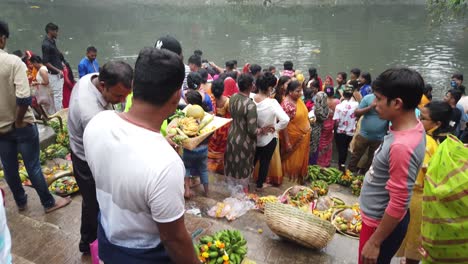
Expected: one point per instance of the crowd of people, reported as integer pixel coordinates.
(282, 122)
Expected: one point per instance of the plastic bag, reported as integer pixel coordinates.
(45, 97)
(233, 207)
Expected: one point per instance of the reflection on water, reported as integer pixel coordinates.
(331, 39)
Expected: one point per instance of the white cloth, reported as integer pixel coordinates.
(85, 102)
(344, 113)
(5, 238)
(44, 95)
(56, 83)
(270, 113)
(139, 180)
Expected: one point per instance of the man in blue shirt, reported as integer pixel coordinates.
(371, 134)
(88, 64)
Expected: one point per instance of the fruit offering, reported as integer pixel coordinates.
(356, 185)
(226, 247)
(320, 187)
(193, 123)
(262, 201)
(348, 221)
(298, 196)
(64, 186)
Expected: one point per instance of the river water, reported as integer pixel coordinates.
(332, 39)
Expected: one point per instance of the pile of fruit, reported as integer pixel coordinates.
(356, 185)
(349, 221)
(55, 151)
(262, 201)
(224, 247)
(298, 196)
(329, 175)
(64, 186)
(194, 122)
(320, 187)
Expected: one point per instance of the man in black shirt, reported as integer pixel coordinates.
(52, 58)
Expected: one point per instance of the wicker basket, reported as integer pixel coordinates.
(298, 226)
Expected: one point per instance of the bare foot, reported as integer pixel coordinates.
(59, 203)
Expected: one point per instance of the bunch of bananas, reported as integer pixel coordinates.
(189, 126)
(325, 215)
(227, 247)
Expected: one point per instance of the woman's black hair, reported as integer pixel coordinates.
(440, 111)
(245, 81)
(194, 80)
(355, 84)
(293, 86)
(428, 91)
(312, 73)
(315, 84)
(265, 81)
(308, 94)
(278, 93)
(232, 74)
(329, 91)
(204, 75)
(35, 59)
(366, 77)
(288, 65)
(355, 71)
(343, 75)
(217, 88)
(194, 98)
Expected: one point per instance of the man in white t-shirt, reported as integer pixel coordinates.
(139, 176)
(345, 121)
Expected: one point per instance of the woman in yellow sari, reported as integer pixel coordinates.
(295, 138)
(435, 118)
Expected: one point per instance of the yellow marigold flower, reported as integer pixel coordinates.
(225, 257)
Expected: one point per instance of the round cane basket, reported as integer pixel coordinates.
(298, 226)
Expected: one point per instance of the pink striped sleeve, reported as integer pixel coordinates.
(398, 184)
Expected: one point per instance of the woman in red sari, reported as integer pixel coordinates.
(68, 83)
(325, 149)
(230, 87)
(217, 143)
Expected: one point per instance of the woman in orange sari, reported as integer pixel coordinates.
(295, 138)
(217, 144)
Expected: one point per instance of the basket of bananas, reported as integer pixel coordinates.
(193, 125)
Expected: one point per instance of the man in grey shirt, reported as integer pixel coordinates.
(93, 94)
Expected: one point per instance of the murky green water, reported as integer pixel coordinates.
(372, 38)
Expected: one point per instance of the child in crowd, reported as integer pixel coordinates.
(345, 123)
(196, 160)
(308, 95)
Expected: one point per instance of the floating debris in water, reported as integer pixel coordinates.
(316, 51)
(34, 7)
